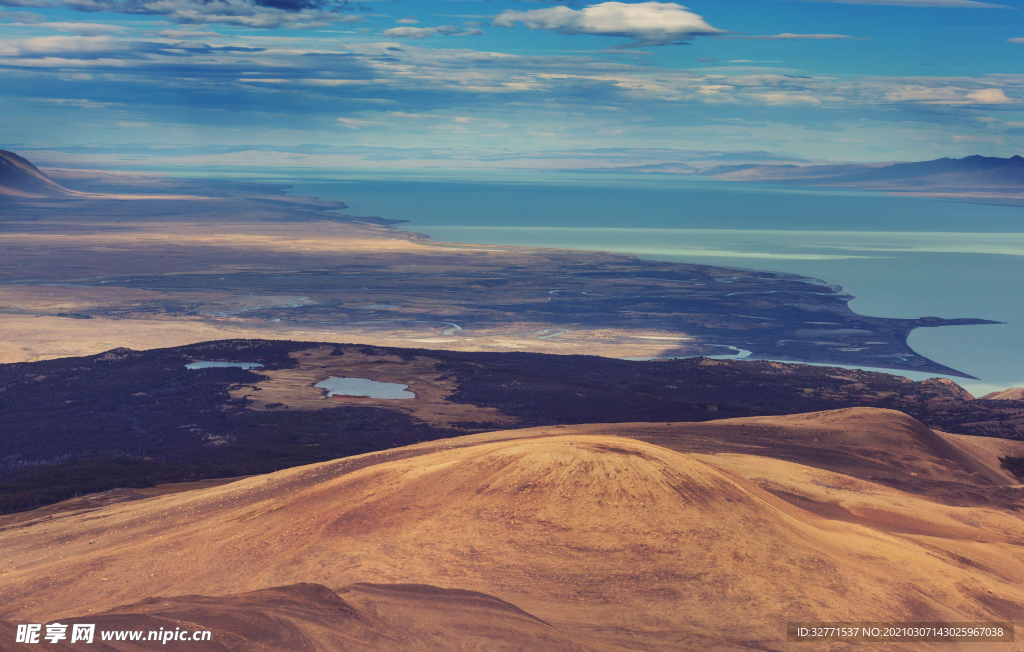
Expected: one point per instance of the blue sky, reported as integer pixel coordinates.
(491, 83)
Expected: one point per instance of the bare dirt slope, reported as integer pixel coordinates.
(1011, 394)
(610, 540)
(881, 446)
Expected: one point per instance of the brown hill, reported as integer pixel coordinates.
(312, 617)
(883, 446)
(1011, 394)
(876, 445)
(19, 178)
(606, 539)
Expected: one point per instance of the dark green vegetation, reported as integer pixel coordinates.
(1014, 465)
(53, 483)
(128, 418)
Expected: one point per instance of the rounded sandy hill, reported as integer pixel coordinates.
(609, 539)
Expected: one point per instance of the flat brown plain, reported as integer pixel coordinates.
(213, 258)
(613, 542)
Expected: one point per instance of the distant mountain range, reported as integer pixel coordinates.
(971, 173)
(981, 175)
(19, 178)
(744, 156)
(692, 161)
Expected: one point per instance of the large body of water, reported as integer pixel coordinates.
(901, 257)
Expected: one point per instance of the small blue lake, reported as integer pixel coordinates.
(364, 387)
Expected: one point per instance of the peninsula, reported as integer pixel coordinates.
(148, 261)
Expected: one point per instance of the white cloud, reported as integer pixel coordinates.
(410, 32)
(355, 123)
(408, 20)
(404, 114)
(926, 94)
(1015, 40)
(427, 32)
(188, 33)
(86, 29)
(644, 22)
(782, 98)
(949, 95)
(59, 45)
(712, 89)
(82, 104)
(989, 96)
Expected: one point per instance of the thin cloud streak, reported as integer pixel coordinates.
(427, 32)
(799, 37)
(258, 14)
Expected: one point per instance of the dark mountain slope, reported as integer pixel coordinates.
(968, 173)
(19, 178)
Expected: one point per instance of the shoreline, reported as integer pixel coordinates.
(834, 288)
(236, 265)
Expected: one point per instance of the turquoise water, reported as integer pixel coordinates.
(901, 257)
(364, 387)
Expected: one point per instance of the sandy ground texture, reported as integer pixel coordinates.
(610, 541)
